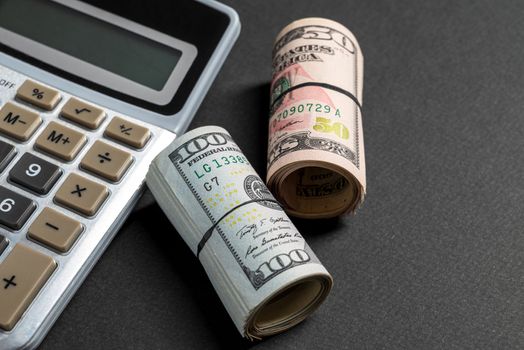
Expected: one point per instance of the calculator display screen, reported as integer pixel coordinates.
(149, 54)
(112, 48)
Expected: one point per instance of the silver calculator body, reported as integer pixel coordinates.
(78, 133)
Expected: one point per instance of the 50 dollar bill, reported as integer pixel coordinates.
(316, 163)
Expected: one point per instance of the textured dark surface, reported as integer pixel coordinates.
(435, 257)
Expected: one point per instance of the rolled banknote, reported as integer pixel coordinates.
(316, 166)
(262, 269)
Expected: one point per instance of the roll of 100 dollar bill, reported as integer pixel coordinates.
(316, 164)
(262, 269)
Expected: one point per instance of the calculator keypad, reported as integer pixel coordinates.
(38, 95)
(22, 275)
(62, 167)
(15, 209)
(55, 230)
(61, 141)
(83, 113)
(18, 122)
(81, 194)
(35, 174)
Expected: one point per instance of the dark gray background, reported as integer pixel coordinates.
(435, 257)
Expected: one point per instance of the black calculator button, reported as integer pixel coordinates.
(7, 152)
(35, 174)
(14, 208)
(3, 244)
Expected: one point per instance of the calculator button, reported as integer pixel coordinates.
(81, 194)
(82, 113)
(129, 133)
(61, 141)
(7, 152)
(18, 122)
(22, 274)
(38, 95)
(106, 161)
(15, 209)
(34, 173)
(3, 244)
(55, 230)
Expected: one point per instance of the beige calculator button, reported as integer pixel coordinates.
(127, 132)
(38, 95)
(81, 194)
(82, 113)
(18, 122)
(106, 161)
(22, 275)
(61, 141)
(55, 230)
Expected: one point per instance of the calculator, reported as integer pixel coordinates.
(90, 92)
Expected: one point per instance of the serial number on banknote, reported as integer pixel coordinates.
(307, 107)
(218, 163)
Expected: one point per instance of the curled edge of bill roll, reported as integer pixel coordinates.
(312, 170)
(260, 302)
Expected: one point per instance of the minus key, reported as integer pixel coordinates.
(55, 230)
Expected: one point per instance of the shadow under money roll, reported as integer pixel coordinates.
(316, 163)
(264, 272)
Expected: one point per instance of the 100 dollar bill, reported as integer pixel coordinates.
(266, 275)
(235, 199)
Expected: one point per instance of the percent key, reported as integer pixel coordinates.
(38, 95)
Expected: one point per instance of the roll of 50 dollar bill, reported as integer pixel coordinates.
(316, 164)
(262, 269)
